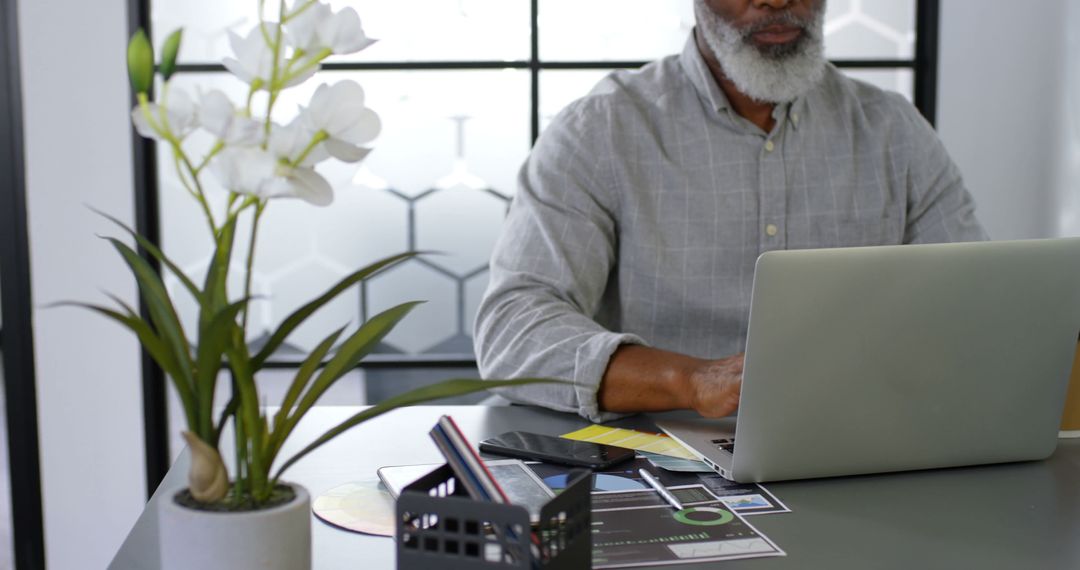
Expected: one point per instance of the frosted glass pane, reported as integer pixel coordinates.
(559, 88)
(407, 30)
(462, 223)
(205, 23)
(443, 30)
(572, 30)
(429, 324)
(900, 80)
(451, 146)
(649, 29)
(870, 29)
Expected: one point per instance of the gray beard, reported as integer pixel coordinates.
(774, 74)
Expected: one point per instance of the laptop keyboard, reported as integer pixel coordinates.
(725, 444)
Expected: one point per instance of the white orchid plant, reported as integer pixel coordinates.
(256, 160)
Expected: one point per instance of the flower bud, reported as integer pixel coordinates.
(140, 56)
(169, 50)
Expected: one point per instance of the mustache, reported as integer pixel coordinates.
(787, 19)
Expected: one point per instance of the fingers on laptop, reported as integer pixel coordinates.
(716, 386)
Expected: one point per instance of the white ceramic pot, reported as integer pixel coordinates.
(271, 539)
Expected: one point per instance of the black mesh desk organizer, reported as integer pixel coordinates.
(440, 526)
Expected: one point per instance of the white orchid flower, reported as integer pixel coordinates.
(318, 27)
(338, 111)
(244, 170)
(254, 59)
(265, 174)
(291, 141)
(179, 117)
(218, 116)
(303, 183)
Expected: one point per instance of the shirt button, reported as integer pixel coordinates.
(771, 229)
(769, 146)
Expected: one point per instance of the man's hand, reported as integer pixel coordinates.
(643, 379)
(715, 386)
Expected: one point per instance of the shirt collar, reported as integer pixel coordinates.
(701, 78)
(700, 75)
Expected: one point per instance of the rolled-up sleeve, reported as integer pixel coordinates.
(550, 269)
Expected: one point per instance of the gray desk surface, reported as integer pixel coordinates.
(1021, 515)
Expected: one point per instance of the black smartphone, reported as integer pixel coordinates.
(552, 449)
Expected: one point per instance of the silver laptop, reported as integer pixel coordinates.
(877, 359)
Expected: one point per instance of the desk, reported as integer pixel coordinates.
(1020, 515)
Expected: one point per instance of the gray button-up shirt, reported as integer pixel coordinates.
(643, 207)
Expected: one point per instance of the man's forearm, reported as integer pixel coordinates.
(644, 379)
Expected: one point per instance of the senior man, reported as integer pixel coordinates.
(626, 262)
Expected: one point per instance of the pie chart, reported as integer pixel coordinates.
(704, 516)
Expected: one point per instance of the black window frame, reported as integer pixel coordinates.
(923, 65)
(16, 338)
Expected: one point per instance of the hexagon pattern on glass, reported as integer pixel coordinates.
(429, 324)
(869, 29)
(450, 30)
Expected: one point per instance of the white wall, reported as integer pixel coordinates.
(1000, 96)
(78, 153)
(1067, 203)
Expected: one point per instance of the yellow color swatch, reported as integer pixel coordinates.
(631, 439)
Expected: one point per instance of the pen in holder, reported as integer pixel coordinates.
(439, 525)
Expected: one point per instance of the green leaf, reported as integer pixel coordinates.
(300, 381)
(153, 345)
(298, 316)
(153, 250)
(213, 342)
(445, 389)
(229, 410)
(214, 288)
(162, 313)
(248, 413)
(351, 352)
(140, 60)
(169, 50)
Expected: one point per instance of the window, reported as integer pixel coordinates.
(463, 88)
(462, 91)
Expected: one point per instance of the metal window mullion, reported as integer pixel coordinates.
(927, 36)
(24, 468)
(534, 70)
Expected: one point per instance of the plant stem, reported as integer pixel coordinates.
(144, 107)
(220, 144)
(200, 194)
(241, 449)
(315, 140)
(180, 172)
(275, 68)
(262, 20)
(313, 62)
(259, 207)
(286, 17)
(256, 84)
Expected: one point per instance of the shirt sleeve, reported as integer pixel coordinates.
(550, 269)
(940, 209)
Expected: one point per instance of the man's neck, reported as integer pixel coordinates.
(754, 111)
